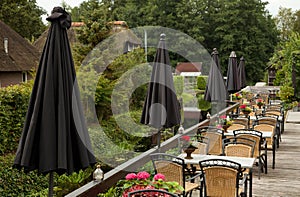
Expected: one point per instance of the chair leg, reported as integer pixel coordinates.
(259, 167)
(273, 163)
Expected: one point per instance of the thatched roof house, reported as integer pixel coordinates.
(17, 57)
(40, 42)
(129, 39)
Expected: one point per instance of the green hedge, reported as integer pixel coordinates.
(13, 106)
(201, 82)
(17, 183)
(178, 84)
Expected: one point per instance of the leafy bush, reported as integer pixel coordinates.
(178, 84)
(201, 82)
(13, 107)
(17, 183)
(66, 184)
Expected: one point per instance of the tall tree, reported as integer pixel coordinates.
(296, 27)
(24, 16)
(285, 21)
(243, 26)
(287, 62)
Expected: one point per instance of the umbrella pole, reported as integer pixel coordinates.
(50, 191)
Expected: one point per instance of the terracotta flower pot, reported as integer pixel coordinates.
(225, 127)
(189, 151)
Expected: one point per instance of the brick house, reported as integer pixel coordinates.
(17, 57)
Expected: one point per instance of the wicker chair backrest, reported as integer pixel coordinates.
(171, 170)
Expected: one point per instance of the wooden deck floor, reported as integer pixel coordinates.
(284, 180)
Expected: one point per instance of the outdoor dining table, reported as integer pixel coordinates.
(246, 162)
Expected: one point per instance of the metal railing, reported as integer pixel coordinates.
(93, 188)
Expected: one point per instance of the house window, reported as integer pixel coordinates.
(24, 77)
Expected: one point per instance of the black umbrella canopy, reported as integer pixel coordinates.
(216, 90)
(232, 81)
(242, 73)
(161, 107)
(55, 136)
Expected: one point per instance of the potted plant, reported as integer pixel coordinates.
(259, 103)
(143, 180)
(245, 109)
(188, 146)
(237, 96)
(224, 122)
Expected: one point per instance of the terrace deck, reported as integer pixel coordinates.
(284, 180)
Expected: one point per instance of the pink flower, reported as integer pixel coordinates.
(223, 117)
(219, 126)
(243, 106)
(131, 176)
(186, 138)
(159, 177)
(143, 175)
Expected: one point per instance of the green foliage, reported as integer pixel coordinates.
(285, 21)
(114, 143)
(286, 93)
(66, 184)
(203, 104)
(13, 108)
(17, 183)
(249, 29)
(296, 27)
(178, 84)
(23, 16)
(124, 75)
(201, 82)
(287, 62)
(187, 98)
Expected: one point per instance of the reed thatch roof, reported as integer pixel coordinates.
(20, 55)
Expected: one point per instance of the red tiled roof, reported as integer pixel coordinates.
(188, 67)
(77, 24)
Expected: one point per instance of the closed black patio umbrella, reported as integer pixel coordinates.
(216, 90)
(232, 81)
(55, 136)
(242, 73)
(161, 107)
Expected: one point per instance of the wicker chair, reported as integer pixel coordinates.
(271, 142)
(276, 114)
(238, 146)
(215, 136)
(174, 169)
(259, 153)
(242, 121)
(236, 126)
(274, 107)
(203, 146)
(152, 193)
(223, 178)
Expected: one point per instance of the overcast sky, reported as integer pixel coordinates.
(273, 6)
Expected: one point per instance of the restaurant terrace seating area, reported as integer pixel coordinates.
(248, 158)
